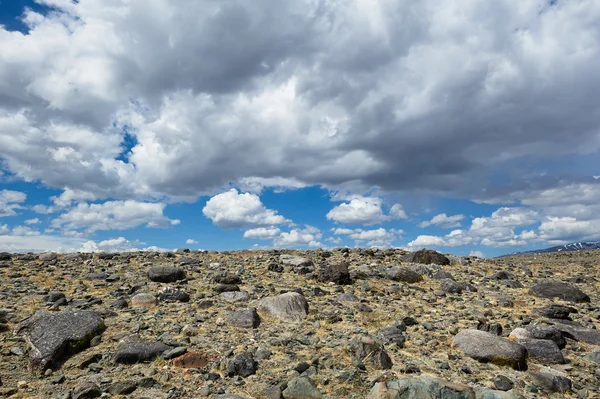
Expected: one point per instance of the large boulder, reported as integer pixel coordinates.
(53, 337)
(557, 289)
(295, 261)
(369, 351)
(165, 274)
(578, 332)
(138, 352)
(291, 306)
(543, 350)
(301, 388)
(427, 256)
(490, 348)
(404, 274)
(337, 273)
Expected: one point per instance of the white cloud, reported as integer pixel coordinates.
(372, 238)
(397, 212)
(364, 210)
(10, 201)
(342, 231)
(39, 243)
(120, 244)
(262, 233)
(33, 221)
(24, 231)
(112, 215)
(230, 210)
(444, 221)
(561, 230)
(309, 237)
(479, 254)
(190, 241)
(426, 241)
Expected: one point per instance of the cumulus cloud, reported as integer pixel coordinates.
(191, 241)
(443, 220)
(262, 233)
(32, 221)
(113, 215)
(380, 238)
(364, 210)
(309, 236)
(10, 201)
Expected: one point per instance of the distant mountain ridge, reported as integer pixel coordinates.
(574, 246)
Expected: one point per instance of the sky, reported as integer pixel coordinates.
(468, 127)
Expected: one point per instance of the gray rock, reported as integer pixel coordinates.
(227, 278)
(55, 336)
(170, 294)
(47, 257)
(404, 274)
(594, 357)
(556, 289)
(347, 297)
(424, 386)
(455, 287)
(490, 348)
(554, 311)
(235, 296)
(369, 350)
(165, 274)
(486, 393)
(391, 335)
(543, 350)
(301, 388)
(337, 273)
(290, 307)
(426, 256)
(228, 396)
(503, 383)
(173, 353)
(244, 318)
(295, 261)
(242, 365)
(578, 332)
(86, 390)
(96, 276)
(550, 382)
(441, 275)
(547, 332)
(143, 299)
(138, 352)
(122, 387)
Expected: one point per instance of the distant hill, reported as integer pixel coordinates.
(574, 246)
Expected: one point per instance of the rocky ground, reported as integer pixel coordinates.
(346, 323)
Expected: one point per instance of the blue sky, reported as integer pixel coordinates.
(468, 128)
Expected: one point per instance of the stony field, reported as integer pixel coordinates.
(345, 323)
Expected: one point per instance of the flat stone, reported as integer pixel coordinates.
(244, 318)
(490, 348)
(138, 352)
(143, 300)
(556, 289)
(391, 335)
(337, 273)
(235, 296)
(404, 274)
(166, 274)
(554, 311)
(290, 307)
(578, 332)
(53, 337)
(301, 388)
(295, 261)
(550, 382)
(543, 350)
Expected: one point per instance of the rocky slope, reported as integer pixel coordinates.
(299, 325)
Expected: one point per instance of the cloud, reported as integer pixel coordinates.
(33, 221)
(113, 215)
(444, 221)
(119, 244)
(426, 241)
(262, 233)
(231, 210)
(364, 210)
(309, 236)
(380, 237)
(10, 201)
(561, 230)
(478, 254)
(190, 241)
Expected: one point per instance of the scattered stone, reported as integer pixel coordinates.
(86, 390)
(578, 332)
(242, 365)
(301, 388)
(143, 300)
(244, 318)
(455, 287)
(235, 296)
(227, 278)
(391, 335)
(550, 382)
(53, 337)
(554, 311)
(427, 257)
(556, 289)
(165, 274)
(369, 350)
(196, 360)
(295, 261)
(503, 383)
(122, 388)
(290, 307)
(170, 294)
(173, 353)
(543, 350)
(138, 352)
(424, 386)
(490, 348)
(337, 273)
(441, 275)
(347, 297)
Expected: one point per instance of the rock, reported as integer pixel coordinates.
(301, 388)
(227, 278)
(138, 352)
(427, 257)
(290, 307)
(244, 318)
(490, 348)
(367, 349)
(554, 311)
(550, 382)
(503, 383)
(494, 328)
(173, 353)
(192, 360)
(53, 337)
(441, 275)
(170, 294)
(578, 332)
(274, 267)
(96, 276)
(556, 289)
(226, 288)
(391, 335)
(404, 274)
(235, 296)
(337, 273)
(143, 300)
(122, 388)
(295, 261)
(547, 332)
(165, 274)
(347, 297)
(501, 275)
(543, 350)
(228, 396)
(594, 357)
(5, 256)
(455, 287)
(120, 303)
(242, 365)
(86, 390)
(486, 393)
(423, 386)
(47, 257)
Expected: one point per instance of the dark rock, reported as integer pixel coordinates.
(120, 303)
(274, 267)
(556, 289)
(55, 336)
(547, 332)
(371, 351)
(54, 297)
(543, 350)
(578, 332)
(503, 383)
(494, 328)
(242, 365)
(122, 388)
(170, 294)
(137, 352)
(337, 273)
(86, 390)
(443, 275)
(227, 278)
(226, 288)
(347, 297)
(455, 287)
(426, 256)
(556, 311)
(5, 256)
(490, 348)
(244, 318)
(500, 275)
(404, 274)
(174, 352)
(391, 335)
(96, 276)
(551, 383)
(165, 274)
